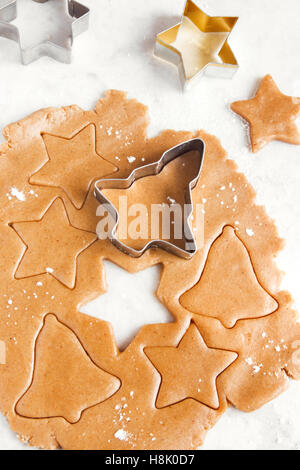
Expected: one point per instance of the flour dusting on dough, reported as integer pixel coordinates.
(18, 194)
(122, 435)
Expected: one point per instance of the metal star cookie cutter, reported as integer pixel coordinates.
(165, 49)
(78, 13)
(153, 169)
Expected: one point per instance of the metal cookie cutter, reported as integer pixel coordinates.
(224, 65)
(78, 16)
(150, 170)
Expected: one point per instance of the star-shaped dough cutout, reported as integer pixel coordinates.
(270, 114)
(52, 245)
(190, 370)
(72, 164)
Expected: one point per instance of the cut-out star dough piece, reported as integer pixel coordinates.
(53, 245)
(73, 164)
(228, 288)
(166, 188)
(270, 114)
(65, 380)
(190, 370)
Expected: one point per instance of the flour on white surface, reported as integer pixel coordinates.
(129, 302)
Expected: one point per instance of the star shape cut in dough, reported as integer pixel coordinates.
(270, 114)
(72, 164)
(52, 245)
(190, 370)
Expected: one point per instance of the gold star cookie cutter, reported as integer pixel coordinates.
(152, 169)
(198, 45)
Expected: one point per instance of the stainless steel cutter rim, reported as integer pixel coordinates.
(80, 21)
(186, 82)
(169, 53)
(153, 169)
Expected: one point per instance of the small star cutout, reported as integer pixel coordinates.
(190, 370)
(53, 245)
(271, 115)
(72, 165)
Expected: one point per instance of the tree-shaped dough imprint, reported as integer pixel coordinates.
(228, 288)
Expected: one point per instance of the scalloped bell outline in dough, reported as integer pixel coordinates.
(228, 288)
(65, 380)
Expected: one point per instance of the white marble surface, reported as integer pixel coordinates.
(131, 291)
(117, 53)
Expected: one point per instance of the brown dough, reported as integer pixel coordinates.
(58, 358)
(52, 245)
(190, 370)
(39, 311)
(271, 115)
(239, 292)
(81, 164)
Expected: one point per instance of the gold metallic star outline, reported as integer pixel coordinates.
(206, 24)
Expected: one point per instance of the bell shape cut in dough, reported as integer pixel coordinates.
(65, 380)
(228, 288)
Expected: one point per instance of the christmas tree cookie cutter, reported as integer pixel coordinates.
(224, 65)
(79, 19)
(152, 169)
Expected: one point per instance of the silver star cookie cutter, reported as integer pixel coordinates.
(79, 22)
(153, 169)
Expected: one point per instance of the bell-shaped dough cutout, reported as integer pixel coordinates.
(228, 288)
(65, 380)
